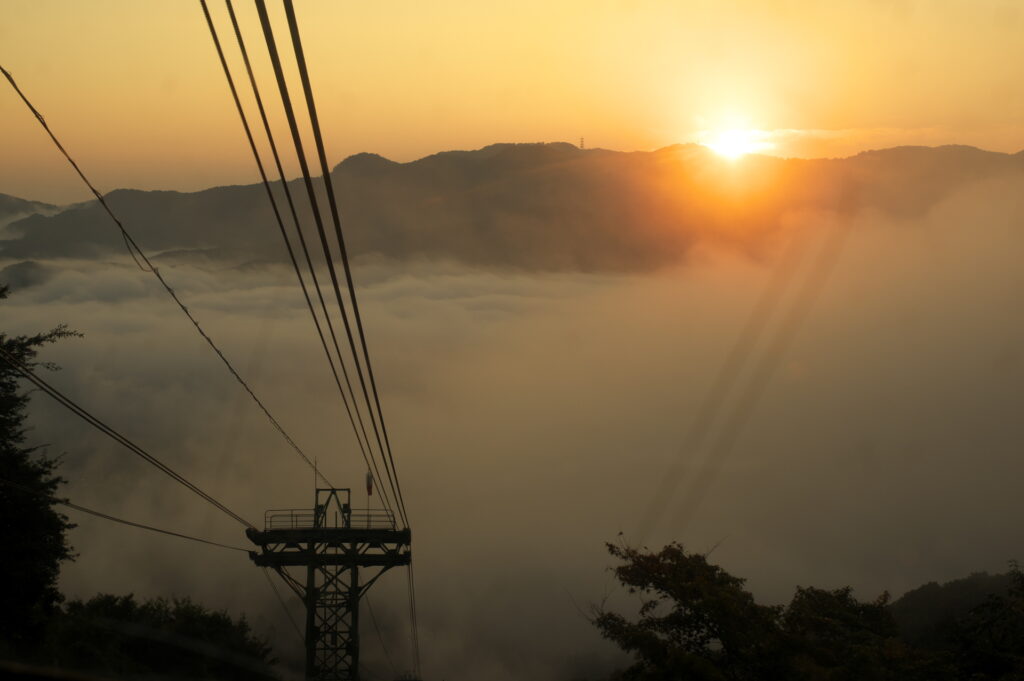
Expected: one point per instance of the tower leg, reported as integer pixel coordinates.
(353, 635)
(332, 617)
(311, 633)
(324, 542)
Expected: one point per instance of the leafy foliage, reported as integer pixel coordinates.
(108, 634)
(989, 641)
(927, 615)
(119, 636)
(831, 635)
(34, 533)
(696, 622)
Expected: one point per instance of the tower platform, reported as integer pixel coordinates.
(334, 543)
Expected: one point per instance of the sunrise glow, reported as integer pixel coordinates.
(736, 142)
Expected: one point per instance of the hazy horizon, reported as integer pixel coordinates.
(539, 389)
(84, 196)
(831, 192)
(136, 92)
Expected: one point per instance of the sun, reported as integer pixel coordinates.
(736, 142)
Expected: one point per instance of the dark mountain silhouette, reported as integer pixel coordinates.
(926, 614)
(11, 207)
(530, 206)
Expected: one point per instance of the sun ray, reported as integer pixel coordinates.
(736, 142)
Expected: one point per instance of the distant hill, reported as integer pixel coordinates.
(24, 274)
(529, 206)
(12, 208)
(925, 614)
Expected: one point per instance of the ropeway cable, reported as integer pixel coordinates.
(131, 523)
(332, 202)
(136, 253)
(318, 220)
(368, 459)
(70, 404)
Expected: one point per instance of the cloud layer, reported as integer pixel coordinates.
(534, 412)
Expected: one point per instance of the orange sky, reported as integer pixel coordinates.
(135, 92)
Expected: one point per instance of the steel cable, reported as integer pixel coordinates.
(332, 202)
(114, 435)
(318, 220)
(280, 222)
(134, 249)
(131, 523)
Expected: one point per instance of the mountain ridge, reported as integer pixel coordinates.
(543, 206)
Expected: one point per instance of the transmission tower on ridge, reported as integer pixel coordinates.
(333, 542)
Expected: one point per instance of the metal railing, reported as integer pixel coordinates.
(372, 518)
(289, 519)
(305, 518)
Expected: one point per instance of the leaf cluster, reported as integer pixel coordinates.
(697, 622)
(119, 636)
(34, 532)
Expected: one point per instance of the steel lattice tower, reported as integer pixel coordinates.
(337, 546)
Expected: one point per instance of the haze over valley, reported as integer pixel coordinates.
(546, 320)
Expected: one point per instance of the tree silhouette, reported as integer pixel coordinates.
(119, 636)
(110, 634)
(33, 533)
(989, 641)
(831, 636)
(696, 622)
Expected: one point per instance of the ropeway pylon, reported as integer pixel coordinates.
(338, 546)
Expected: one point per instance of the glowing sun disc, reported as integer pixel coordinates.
(737, 142)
